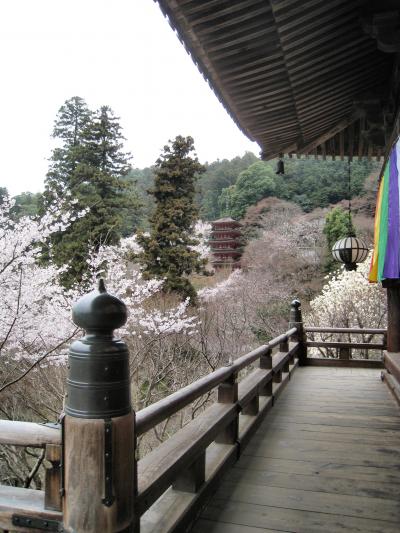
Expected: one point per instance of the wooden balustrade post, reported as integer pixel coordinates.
(284, 348)
(278, 376)
(253, 407)
(99, 443)
(52, 495)
(228, 393)
(393, 302)
(266, 364)
(191, 479)
(345, 353)
(296, 321)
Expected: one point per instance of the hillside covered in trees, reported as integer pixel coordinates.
(230, 187)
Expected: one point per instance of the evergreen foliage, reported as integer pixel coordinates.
(167, 251)
(220, 175)
(253, 184)
(141, 180)
(338, 224)
(87, 170)
(26, 205)
(308, 182)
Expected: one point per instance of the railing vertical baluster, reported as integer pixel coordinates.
(278, 376)
(345, 353)
(52, 496)
(191, 479)
(266, 364)
(296, 321)
(284, 348)
(228, 393)
(253, 407)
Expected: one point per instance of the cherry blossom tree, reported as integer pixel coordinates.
(349, 300)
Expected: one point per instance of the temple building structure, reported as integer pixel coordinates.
(226, 243)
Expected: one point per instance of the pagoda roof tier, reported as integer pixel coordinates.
(228, 243)
(235, 251)
(227, 262)
(229, 253)
(230, 230)
(211, 241)
(226, 220)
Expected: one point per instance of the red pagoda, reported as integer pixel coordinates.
(225, 243)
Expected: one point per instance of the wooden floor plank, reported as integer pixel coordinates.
(334, 419)
(308, 407)
(321, 468)
(280, 519)
(307, 448)
(210, 526)
(326, 459)
(332, 434)
(316, 483)
(303, 500)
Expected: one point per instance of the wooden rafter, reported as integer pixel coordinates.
(288, 71)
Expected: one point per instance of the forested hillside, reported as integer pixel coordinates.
(309, 183)
(229, 187)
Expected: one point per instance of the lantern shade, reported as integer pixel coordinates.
(350, 251)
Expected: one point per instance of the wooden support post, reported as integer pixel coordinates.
(296, 321)
(266, 364)
(52, 495)
(266, 360)
(192, 479)
(253, 407)
(393, 302)
(345, 353)
(284, 346)
(228, 393)
(278, 377)
(99, 443)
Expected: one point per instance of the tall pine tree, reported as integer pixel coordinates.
(167, 251)
(89, 165)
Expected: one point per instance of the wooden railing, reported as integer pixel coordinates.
(344, 350)
(182, 469)
(193, 459)
(172, 482)
(16, 504)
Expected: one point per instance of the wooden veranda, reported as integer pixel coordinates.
(289, 442)
(325, 459)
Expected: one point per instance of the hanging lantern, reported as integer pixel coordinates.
(350, 251)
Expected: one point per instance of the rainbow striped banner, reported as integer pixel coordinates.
(385, 263)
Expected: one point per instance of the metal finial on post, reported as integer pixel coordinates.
(295, 311)
(99, 422)
(296, 321)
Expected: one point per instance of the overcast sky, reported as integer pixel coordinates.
(121, 53)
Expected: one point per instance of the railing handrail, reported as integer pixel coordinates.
(155, 413)
(343, 344)
(370, 331)
(28, 434)
(38, 435)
